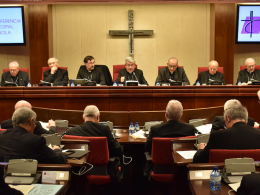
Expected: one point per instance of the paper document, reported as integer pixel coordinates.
(25, 189)
(45, 189)
(188, 154)
(204, 129)
(234, 186)
(44, 125)
(138, 134)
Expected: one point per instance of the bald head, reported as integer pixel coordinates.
(21, 104)
(250, 65)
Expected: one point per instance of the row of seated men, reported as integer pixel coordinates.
(22, 138)
(171, 73)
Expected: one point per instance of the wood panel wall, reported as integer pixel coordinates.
(225, 38)
(39, 40)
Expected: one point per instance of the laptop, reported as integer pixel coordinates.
(110, 124)
(76, 153)
(53, 139)
(22, 171)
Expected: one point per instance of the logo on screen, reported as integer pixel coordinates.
(251, 25)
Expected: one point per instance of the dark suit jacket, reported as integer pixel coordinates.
(61, 76)
(22, 78)
(179, 75)
(97, 75)
(169, 129)
(250, 185)
(4, 188)
(138, 73)
(19, 143)
(91, 129)
(219, 123)
(239, 137)
(106, 74)
(204, 78)
(39, 130)
(243, 76)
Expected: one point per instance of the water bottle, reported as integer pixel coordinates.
(239, 83)
(198, 83)
(115, 84)
(136, 127)
(215, 179)
(157, 84)
(72, 84)
(29, 84)
(131, 128)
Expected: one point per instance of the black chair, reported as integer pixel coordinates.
(106, 73)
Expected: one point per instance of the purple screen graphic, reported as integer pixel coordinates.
(255, 22)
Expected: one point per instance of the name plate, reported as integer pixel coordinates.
(131, 83)
(177, 83)
(215, 83)
(256, 83)
(90, 83)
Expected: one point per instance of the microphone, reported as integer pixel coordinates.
(135, 77)
(211, 80)
(44, 82)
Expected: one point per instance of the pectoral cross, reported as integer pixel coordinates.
(131, 32)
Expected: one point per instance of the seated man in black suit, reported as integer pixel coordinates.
(39, 130)
(173, 128)
(92, 128)
(219, 121)
(56, 76)
(14, 75)
(211, 75)
(172, 72)
(130, 73)
(250, 73)
(237, 136)
(250, 185)
(90, 72)
(20, 142)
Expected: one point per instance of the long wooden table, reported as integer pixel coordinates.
(142, 98)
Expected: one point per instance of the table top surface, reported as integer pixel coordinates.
(199, 187)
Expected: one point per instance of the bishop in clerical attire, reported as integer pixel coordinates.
(130, 73)
(90, 72)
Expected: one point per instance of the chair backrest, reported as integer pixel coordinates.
(162, 150)
(2, 130)
(106, 73)
(116, 69)
(159, 67)
(220, 155)
(99, 154)
(203, 69)
(21, 69)
(244, 67)
(47, 68)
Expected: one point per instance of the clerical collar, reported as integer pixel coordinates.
(251, 72)
(14, 78)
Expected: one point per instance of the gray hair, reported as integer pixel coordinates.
(249, 59)
(91, 111)
(14, 62)
(236, 112)
(231, 103)
(174, 110)
(129, 59)
(22, 116)
(52, 59)
(213, 61)
(172, 58)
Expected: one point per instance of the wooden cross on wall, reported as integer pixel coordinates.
(131, 32)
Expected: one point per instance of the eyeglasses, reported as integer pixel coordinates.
(52, 63)
(170, 66)
(130, 65)
(213, 69)
(252, 66)
(91, 62)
